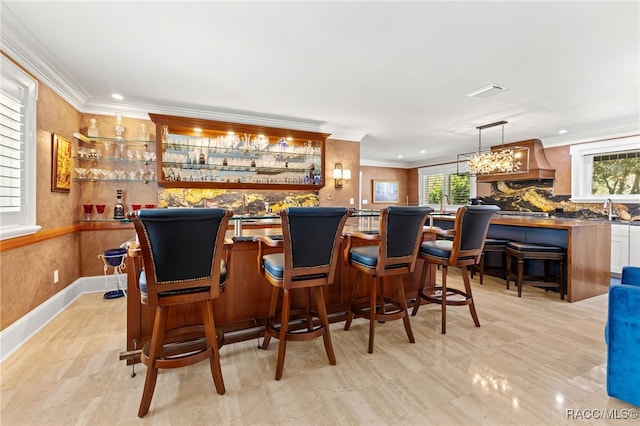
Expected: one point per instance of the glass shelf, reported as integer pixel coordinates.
(115, 159)
(235, 155)
(87, 139)
(110, 180)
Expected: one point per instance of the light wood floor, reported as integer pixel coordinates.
(533, 359)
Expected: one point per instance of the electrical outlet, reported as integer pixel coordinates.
(55, 277)
(365, 201)
(351, 201)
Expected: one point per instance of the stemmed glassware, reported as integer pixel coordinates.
(107, 147)
(88, 209)
(100, 209)
(82, 172)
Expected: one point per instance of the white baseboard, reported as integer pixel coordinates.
(14, 336)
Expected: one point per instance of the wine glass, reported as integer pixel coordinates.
(88, 209)
(82, 172)
(100, 209)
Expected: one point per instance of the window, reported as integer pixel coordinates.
(18, 95)
(606, 169)
(438, 180)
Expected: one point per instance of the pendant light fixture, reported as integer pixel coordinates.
(503, 160)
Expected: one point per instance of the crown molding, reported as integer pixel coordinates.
(617, 132)
(20, 45)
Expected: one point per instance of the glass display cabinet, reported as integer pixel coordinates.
(198, 153)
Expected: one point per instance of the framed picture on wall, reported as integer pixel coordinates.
(60, 164)
(385, 191)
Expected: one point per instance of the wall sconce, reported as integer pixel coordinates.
(341, 175)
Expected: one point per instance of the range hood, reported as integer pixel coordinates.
(539, 167)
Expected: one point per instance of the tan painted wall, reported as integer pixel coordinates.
(405, 184)
(26, 273)
(347, 153)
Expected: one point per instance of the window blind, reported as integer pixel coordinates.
(11, 147)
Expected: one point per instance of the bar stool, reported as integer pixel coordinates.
(307, 261)
(491, 245)
(185, 263)
(469, 233)
(391, 253)
(528, 251)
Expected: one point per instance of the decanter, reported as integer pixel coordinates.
(118, 209)
(119, 127)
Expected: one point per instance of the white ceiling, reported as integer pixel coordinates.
(391, 74)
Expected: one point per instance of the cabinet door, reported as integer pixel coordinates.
(619, 247)
(634, 245)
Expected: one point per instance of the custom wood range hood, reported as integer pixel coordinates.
(539, 167)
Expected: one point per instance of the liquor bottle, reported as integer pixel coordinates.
(118, 209)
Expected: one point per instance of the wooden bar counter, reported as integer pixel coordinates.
(241, 310)
(588, 245)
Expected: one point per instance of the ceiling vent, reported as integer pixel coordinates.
(486, 91)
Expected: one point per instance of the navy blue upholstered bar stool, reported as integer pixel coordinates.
(391, 254)
(528, 251)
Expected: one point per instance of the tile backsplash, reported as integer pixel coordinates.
(537, 196)
(250, 202)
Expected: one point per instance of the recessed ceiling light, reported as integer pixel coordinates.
(197, 129)
(562, 132)
(486, 91)
(423, 152)
(117, 96)
(399, 156)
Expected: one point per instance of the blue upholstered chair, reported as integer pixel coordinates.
(310, 240)
(469, 232)
(390, 254)
(623, 336)
(183, 251)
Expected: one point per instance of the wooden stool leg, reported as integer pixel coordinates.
(155, 351)
(563, 284)
(444, 299)
(307, 307)
(372, 313)
(324, 320)
(520, 278)
(352, 304)
(284, 326)
(423, 279)
(467, 289)
(273, 306)
(507, 269)
(403, 305)
(212, 341)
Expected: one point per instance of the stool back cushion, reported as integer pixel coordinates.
(311, 236)
(471, 227)
(312, 232)
(401, 230)
(181, 248)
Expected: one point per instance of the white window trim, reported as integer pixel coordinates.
(28, 225)
(445, 169)
(582, 169)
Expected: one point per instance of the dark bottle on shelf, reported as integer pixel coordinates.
(118, 209)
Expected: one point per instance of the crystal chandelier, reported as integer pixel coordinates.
(504, 160)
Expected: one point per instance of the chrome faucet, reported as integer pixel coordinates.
(442, 202)
(608, 203)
